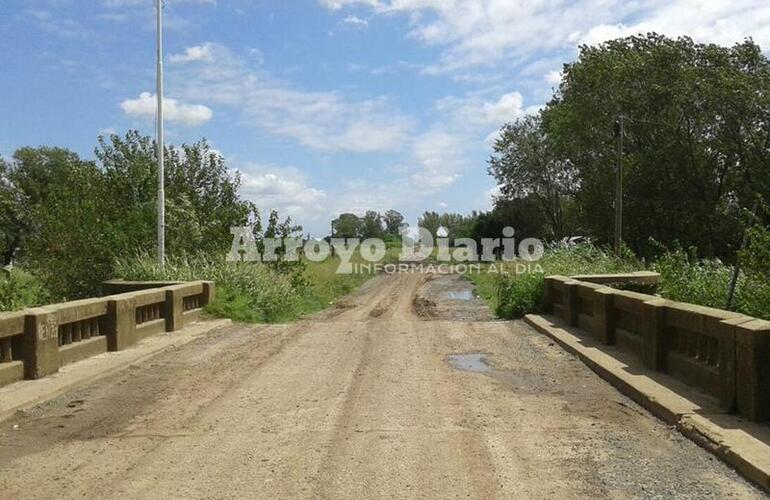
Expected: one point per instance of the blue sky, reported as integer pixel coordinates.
(325, 106)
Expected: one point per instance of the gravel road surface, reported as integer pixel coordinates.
(406, 389)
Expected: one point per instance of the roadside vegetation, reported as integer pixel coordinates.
(696, 121)
(253, 292)
(696, 125)
(67, 224)
(513, 295)
(684, 278)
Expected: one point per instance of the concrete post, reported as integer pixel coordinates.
(653, 318)
(121, 323)
(209, 292)
(752, 340)
(604, 316)
(727, 362)
(174, 308)
(570, 291)
(549, 298)
(41, 343)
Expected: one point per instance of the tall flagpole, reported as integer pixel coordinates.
(160, 143)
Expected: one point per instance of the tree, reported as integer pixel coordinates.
(371, 225)
(12, 221)
(430, 221)
(346, 226)
(524, 215)
(67, 219)
(393, 221)
(696, 146)
(456, 225)
(525, 165)
(202, 200)
(66, 234)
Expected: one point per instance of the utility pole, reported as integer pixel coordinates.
(619, 130)
(160, 143)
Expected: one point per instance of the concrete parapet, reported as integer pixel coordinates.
(752, 375)
(722, 353)
(38, 341)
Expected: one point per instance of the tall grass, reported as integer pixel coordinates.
(253, 292)
(705, 282)
(514, 294)
(246, 291)
(684, 278)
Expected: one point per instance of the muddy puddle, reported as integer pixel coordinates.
(469, 362)
(450, 297)
(459, 295)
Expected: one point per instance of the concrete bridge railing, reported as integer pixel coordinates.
(36, 342)
(722, 353)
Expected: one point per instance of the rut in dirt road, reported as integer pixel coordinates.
(358, 402)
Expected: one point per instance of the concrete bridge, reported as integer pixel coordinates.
(407, 389)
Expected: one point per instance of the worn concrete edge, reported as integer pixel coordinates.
(697, 428)
(77, 374)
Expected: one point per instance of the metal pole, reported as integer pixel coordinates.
(619, 188)
(160, 143)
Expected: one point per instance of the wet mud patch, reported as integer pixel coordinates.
(450, 297)
(459, 295)
(471, 362)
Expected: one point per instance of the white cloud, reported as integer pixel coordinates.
(204, 53)
(484, 32)
(284, 189)
(356, 21)
(440, 157)
(57, 25)
(257, 56)
(553, 77)
(474, 110)
(144, 106)
(338, 4)
(326, 121)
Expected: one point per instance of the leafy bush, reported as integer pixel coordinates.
(19, 290)
(253, 292)
(246, 291)
(520, 294)
(756, 257)
(685, 278)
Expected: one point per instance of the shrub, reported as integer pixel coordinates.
(685, 278)
(247, 291)
(520, 294)
(19, 289)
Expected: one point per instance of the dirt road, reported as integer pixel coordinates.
(365, 400)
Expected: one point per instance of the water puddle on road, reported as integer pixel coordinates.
(469, 362)
(460, 295)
